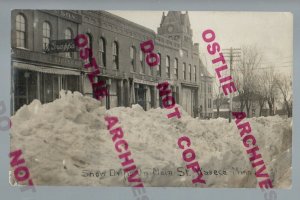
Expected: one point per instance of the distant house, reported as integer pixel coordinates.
(223, 109)
(254, 108)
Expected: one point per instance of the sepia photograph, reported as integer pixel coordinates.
(151, 98)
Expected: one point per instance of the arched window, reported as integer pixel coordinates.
(46, 34)
(176, 68)
(133, 58)
(159, 65)
(168, 66)
(102, 52)
(190, 71)
(195, 74)
(21, 31)
(184, 71)
(68, 35)
(115, 55)
(142, 61)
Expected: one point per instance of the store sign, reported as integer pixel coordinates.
(58, 46)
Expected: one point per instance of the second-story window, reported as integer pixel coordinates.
(159, 66)
(21, 31)
(195, 74)
(168, 66)
(176, 68)
(115, 55)
(46, 34)
(68, 35)
(102, 52)
(184, 71)
(209, 88)
(142, 61)
(133, 58)
(190, 71)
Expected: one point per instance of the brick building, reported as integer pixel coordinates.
(115, 42)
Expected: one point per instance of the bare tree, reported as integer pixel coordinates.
(271, 89)
(219, 97)
(245, 76)
(261, 91)
(284, 84)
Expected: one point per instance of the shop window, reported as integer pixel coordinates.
(113, 94)
(102, 52)
(21, 31)
(46, 34)
(209, 103)
(115, 55)
(25, 85)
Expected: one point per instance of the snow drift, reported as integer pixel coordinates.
(64, 139)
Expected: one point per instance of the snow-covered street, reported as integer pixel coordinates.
(65, 140)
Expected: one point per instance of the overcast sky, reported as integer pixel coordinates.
(271, 32)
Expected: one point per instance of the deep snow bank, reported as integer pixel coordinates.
(63, 139)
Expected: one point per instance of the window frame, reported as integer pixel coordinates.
(68, 37)
(21, 42)
(132, 54)
(176, 68)
(184, 70)
(115, 54)
(168, 68)
(158, 69)
(102, 52)
(190, 72)
(142, 61)
(46, 36)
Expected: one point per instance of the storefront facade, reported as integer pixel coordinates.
(116, 46)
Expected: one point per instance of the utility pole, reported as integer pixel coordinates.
(233, 53)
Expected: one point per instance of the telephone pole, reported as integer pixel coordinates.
(231, 54)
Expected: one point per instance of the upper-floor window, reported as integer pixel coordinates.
(68, 35)
(176, 68)
(142, 61)
(184, 71)
(195, 74)
(209, 88)
(159, 66)
(116, 55)
(102, 52)
(168, 66)
(190, 71)
(21, 31)
(46, 34)
(133, 58)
